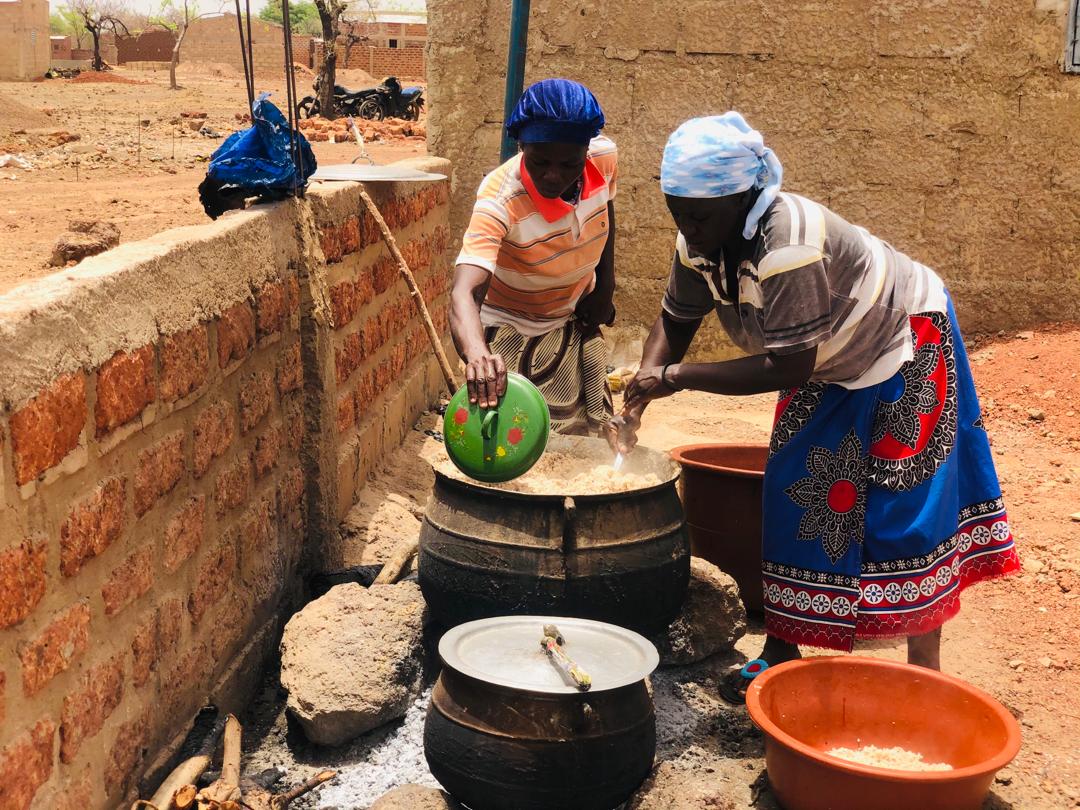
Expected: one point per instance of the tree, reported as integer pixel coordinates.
(99, 16)
(330, 12)
(177, 16)
(66, 22)
(303, 16)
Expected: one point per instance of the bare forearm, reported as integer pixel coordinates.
(746, 375)
(466, 298)
(668, 341)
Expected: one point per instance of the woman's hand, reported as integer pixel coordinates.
(648, 384)
(623, 428)
(485, 376)
(596, 308)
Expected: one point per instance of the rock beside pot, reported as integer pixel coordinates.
(415, 797)
(671, 787)
(351, 660)
(712, 619)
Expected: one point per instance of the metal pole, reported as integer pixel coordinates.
(515, 68)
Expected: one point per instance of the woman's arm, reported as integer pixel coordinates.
(596, 308)
(485, 373)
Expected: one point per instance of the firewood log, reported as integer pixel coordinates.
(188, 771)
(397, 562)
(227, 787)
(259, 799)
(184, 798)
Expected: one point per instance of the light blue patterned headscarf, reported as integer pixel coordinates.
(718, 156)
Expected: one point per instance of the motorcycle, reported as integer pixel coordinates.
(391, 100)
(346, 102)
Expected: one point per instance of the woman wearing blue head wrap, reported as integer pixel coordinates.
(881, 502)
(536, 274)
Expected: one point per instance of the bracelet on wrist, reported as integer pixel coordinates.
(664, 377)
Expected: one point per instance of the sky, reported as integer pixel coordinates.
(150, 6)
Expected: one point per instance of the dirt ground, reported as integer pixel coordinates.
(1018, 638)
(143, 178)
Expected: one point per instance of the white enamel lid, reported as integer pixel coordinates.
(506, 651)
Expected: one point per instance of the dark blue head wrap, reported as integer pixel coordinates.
(556, 111)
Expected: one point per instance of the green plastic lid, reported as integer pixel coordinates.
(500, 443)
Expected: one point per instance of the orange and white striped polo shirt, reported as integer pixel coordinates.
(542, 253)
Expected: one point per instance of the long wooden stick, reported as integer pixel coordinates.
(227, 786)
(291, 795)
(414, 291)
(188, 771)
(391, 571)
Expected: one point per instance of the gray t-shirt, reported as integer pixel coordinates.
(813, 279)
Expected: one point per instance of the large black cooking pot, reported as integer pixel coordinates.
(620, 557)
(505, 731)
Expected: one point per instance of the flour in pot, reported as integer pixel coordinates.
(556, 473)
(896, 758)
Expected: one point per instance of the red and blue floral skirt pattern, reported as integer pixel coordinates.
(882, 503)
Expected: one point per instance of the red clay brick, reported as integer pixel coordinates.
(185, 362)
(213, 580)
(125, 386)
(294, 423)
(349, 356)
(256, 397)
(47, 428)
(184, 533)
(340, 240)
(77, 792)
(384, 274)
(270, 307)
(346, 412)
(290, 376)
(215, 430)
(92, 526)
(291, 497)
(183, 685)
(53, 651)
(25, 766)
(267, 450)
(22, 581)
(256, 532)
(170, 618)
(364, 290)
(125, 755)
(397, 361)
(132, 579)
(236, 333)
(232, 620)
(233, 485)
(292, 294)
(160, 469)
(342, 303)
(86, 710)
(157, 636)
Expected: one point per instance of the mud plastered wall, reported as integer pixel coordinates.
(165, 412)
(945, 127)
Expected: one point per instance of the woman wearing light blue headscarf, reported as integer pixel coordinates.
(881, 501)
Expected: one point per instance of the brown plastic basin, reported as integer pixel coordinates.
(722, 489)
(812, 705)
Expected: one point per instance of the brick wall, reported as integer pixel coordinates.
(215, 40)
(149, 46)
(946, 128)
(406, 63)
(183, 422)
(380, 34)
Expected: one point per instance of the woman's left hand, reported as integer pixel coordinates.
(647, 385)
(596, 308)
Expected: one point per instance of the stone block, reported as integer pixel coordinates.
(159, 469)
(267, 450)
(235, 333)
(215, 430)
(125, 754)
(185, 362)
(54, 650)
(133, 578)
(26, 765)
(290, 373)
(22, 580)
(92, 526)
(213, 580)
(125, 386)
(271, 309)
(87, 708)
(48, 427)
(233, 484)
(256, 397)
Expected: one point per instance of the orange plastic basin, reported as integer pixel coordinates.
(722, 491)
(812, 705)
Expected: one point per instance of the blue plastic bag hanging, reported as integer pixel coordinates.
(255, 162)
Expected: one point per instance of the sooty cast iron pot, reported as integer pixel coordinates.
(505, 731)
(619, 557)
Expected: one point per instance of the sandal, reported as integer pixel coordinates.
(733, 684)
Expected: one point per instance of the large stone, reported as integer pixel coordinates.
(415, 797)
(711, 621)
(674, 786)
(351, 660)
(84, 239)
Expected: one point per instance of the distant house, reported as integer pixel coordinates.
(60, 47)
(24, 39)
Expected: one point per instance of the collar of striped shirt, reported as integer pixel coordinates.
(552, 210)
